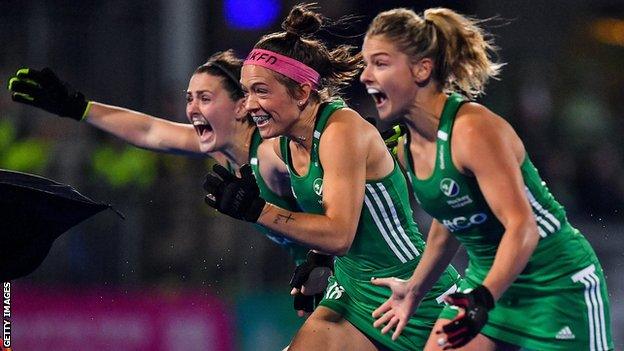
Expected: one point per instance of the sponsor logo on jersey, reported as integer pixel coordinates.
(461, 222)
(317, 186)
(460, 201)
(565, 334)
(449, 187)
(441, 156)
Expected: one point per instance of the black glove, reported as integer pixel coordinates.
(313, 274)
(476, 304)
(234, 196)
(45, 90)
(307, 303)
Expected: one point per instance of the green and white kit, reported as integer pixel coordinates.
(387, 243)
(559, 301)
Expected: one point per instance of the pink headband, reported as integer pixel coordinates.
(291, 68)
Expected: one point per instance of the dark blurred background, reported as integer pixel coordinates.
(175, 274)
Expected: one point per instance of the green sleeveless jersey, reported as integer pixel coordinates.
(387, 241)
(297, 252)
(456, 201)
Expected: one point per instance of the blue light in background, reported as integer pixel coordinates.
(256, 14)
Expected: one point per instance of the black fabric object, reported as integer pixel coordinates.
(320, 266)
(34, 211)
(314, 261)
(307, 303)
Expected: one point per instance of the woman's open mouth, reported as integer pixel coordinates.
(202, 127)
(379, 96)
(261, 120)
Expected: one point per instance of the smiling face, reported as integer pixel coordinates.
(211, 111)
(268, 101)
(388, 77)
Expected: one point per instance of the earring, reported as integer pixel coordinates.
(300, 102)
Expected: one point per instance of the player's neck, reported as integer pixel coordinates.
(424, 114)
(303, 130)
(239, 149)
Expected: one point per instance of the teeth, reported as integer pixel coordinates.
(260, 119)
(377, 95)
(201, 126)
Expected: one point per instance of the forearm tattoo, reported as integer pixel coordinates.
(283, 218)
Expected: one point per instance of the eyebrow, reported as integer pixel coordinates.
(199, 92)
(375, 55)
(254, 84)
(379, 54)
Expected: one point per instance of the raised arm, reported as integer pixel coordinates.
(44, 90)
(143, 130)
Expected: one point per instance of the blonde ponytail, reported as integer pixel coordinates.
(458, 46)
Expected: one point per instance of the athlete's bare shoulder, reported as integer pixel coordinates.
(474, 120)
(477, 129)
(348, 123)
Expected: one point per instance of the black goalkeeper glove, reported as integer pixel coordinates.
(43, 89)
(312, 275)
(234, 196)
(476, 305)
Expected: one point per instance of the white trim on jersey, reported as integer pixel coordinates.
(442, 135)
(395, 217)
(382, 230)
(547, 222)
(595, 308)
(402, 240)
(448, 291)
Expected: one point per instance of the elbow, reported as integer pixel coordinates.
(342, 249)
(342, 245)
(527, 233)
(532, 236)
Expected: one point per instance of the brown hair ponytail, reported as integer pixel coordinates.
(336, 67)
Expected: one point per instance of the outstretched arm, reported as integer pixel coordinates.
(44, 90)
(143, 130)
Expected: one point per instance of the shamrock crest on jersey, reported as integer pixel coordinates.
(317, 186)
